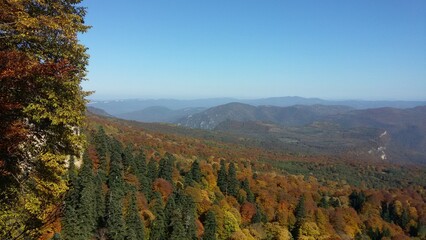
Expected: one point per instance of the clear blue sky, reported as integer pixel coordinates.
(189, 49)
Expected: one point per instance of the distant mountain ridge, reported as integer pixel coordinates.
(381, 133)
(297, 115)
(159, 114)
(117, 107)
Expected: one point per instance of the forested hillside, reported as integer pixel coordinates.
(131, 186)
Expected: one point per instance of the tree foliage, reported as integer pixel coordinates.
(41, 107)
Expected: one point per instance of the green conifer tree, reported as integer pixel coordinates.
(300, 213)
(246, 187)
(232, 180)
(134, 223)
(152, 171)
(222, 178)
(158, 227)
(101, 145)
(165, 169)
(210, 226)
(196, 171)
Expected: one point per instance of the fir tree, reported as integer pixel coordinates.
(158, 227)
(141, 173)
(115, 221)
(165, 169)
(100, 202)
(187, 205)
(115, 177)
(86, 207)
(300, 214)
(134, 223)
(357, 200)
(210, 226)
(101, 145)
(222, 177)
(246, 187)
(175, 228)
(232, 180)
(128, 160)
(152, 171)
(196, 171)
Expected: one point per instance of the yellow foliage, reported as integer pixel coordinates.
(309, 230)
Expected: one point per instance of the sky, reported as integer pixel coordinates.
(188, 49)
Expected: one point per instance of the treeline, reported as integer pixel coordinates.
(130, 192)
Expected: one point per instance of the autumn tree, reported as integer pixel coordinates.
(41, 107)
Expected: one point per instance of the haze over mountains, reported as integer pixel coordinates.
(314, 126)
(116, 107)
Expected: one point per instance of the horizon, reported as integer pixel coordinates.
(252, 98)
(248, 49)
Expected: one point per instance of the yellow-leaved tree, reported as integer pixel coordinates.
(42, 106)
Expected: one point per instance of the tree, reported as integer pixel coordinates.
(134, 224)
(101, 145)
(210, 226)
(115, 221)
(158, 227)
(357, 200)
(196, 171)
(165, 169)
(246, 187)
(87, 203)
(300, 214)
(222, 177)
(152, 171)
(41, 107)
(232, 180)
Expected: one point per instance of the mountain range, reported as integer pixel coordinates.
(383, 134)
(117, 107)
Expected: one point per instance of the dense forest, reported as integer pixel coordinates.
(65, 176)
(126, 189)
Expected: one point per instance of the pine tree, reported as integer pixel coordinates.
(187, 205)
(166, 167)
(357, 200)
(196, 171)
(158, 227)
(70, 220)
(115, 177)
(173, 214)
(115, 221)
(134, 223)
(300, 214)
(128, 160)
(101, 145)
(152, 171)
(141, 173)
(86, 207)
(232, 180)
(246, 187)
(100, 202)
(222, 177)
(259, 216)
(210, 226)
